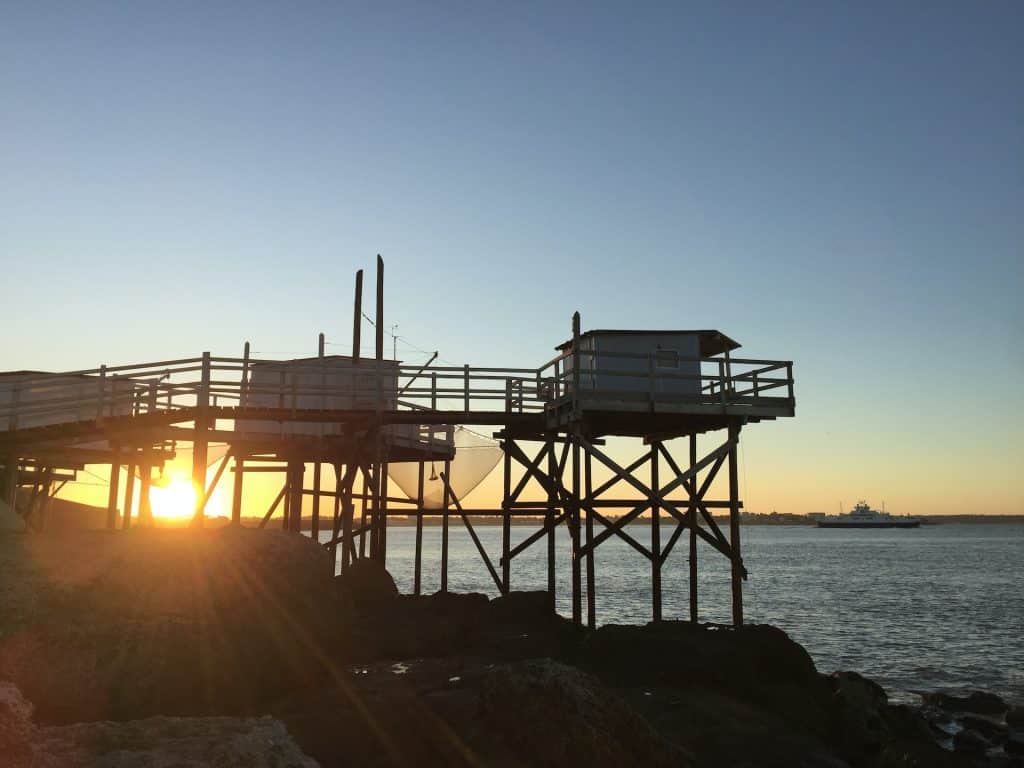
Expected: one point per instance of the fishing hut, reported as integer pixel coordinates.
(359, 421)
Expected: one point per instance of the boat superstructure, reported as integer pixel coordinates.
(863, 516)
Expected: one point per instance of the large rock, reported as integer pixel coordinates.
(16, 730)
(366, 586)
(977, 702)
(465, 711)
(10, 520)
(861, 715)
(516, 626)
(549, 714)
(741, 659)
(174, 622)
(171, 742)
(158, 742)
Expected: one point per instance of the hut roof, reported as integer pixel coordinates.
(712, 342)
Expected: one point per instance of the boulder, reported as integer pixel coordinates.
(531, 608)
(1015, 717)
(757, 664)
(548, 714)
(1014, 744)
(172, 622)
(971, 742)
(16, 730)
(861, 715)
(366, 586)
(10, 520)
(424, 626)
(991, 729)
(169, 742)
(977, 702)
(907, 722)
(741, 659)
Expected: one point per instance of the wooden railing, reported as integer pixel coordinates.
(326, 384)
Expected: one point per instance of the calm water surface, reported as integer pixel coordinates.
(939, 607)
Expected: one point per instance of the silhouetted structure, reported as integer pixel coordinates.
(356, 415)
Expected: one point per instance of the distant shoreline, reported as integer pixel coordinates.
(402, 520)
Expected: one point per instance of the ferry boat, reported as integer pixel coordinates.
(863, 516)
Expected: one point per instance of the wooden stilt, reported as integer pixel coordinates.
(115, 476)
(444, 528)
(692, 514)
(10, 485)
(200, 442)
(418, 564)
(574, 530)
(236, 491)
(655, 535)
(382, 553)
(286, 513)
(145, 506)
(315, 529)
(363, 511)
(129, 497)
(734, 528)
(550, 520)
(297, 471)
(506, 520)
(591, 591)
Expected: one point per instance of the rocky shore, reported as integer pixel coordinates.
(240, 647)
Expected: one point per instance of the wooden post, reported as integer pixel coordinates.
(506, 518)
(297, 471)
(693, 532)
(418, 563)
(336, 521)
(199, 442)
(362, 512)
(115, 476)
(315, 527)
(655, 534)
(379, 321)
(577, 591)
(129, 497)
(11, 480)
(444, 528)
(734, 527)
(315, 531)
(347, 510)
(549, 520)
(243, 382)
(357, 317)
(576, 364)
(382, 553)
(145, 506)
(591, 591)
(236, 491)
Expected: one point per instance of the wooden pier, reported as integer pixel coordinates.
(351, 417)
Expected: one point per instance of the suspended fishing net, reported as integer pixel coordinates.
(475, 457)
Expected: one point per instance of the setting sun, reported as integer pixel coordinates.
(175, 499)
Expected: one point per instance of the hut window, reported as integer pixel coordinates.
(667, 358)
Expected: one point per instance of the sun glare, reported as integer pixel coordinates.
(176, 499)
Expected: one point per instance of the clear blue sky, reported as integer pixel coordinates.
(837, 184)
